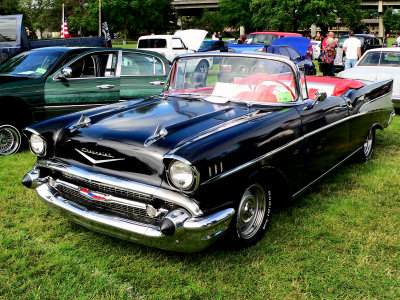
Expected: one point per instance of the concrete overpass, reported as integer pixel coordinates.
(195, 8)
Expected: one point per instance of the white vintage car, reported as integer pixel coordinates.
(378, 64)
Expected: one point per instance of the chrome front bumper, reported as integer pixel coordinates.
(192, 233)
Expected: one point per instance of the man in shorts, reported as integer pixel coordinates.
(352, 48)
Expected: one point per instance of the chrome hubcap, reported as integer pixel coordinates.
(203, 67)
(251, 211)
(368, 143)
(9, 140)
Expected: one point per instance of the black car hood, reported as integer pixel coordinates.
(115, 143)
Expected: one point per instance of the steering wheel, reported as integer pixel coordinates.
(284, 85)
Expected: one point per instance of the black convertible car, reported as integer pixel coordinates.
(209, 156)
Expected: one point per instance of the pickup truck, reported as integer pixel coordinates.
(182, 42)
(13, 39)
(257, 40)
(48, 82)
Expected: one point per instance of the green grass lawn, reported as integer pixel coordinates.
(339, 240)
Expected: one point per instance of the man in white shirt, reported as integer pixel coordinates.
(352, 48)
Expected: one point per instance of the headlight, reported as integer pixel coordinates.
(38, 145)
(181, 175)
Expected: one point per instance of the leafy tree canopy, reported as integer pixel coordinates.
(293, 15)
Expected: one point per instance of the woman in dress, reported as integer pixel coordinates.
(328, 55)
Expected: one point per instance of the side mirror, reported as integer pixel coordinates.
(320, 95)
(66, 73)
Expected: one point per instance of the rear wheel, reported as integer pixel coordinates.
(253, 215)
(10, 139)
(368, 147)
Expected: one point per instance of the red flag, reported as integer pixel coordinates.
(64, 30)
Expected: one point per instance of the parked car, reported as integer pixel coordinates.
(296, 49)
(46, 82)
(257, 40)
(367, 42)
(211, 156)
(213, 45)
(316, 46)
(13, 38)
(376, 65)
(184, 41)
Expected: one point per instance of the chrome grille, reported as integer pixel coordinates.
(126, 210)
(106, 189)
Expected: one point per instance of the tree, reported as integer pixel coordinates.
(236, 13)
(391, 19)
(10, 7)
(293, 15)
(212, 21)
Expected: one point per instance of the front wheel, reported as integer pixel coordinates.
(253, 215)
(10, 139)
(202, 66)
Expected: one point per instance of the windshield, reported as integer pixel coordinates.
(8, 29)
(30, 64)
(207, 44)
(231, 78)
(342, 39)
(260, 39)
(387, 59)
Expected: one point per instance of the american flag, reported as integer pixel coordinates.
(64, 29)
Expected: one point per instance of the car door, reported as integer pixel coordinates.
(94, 80)
(142, 74)
(326, 136)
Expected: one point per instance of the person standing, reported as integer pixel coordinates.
(310, 48)
(329, 35)
(214, 36)
(219, 36)
(352, 48)
(398, 41)
(328, 55)
(318, 37)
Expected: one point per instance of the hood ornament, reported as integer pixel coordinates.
(159, 133)
(84, 121)
(94, 161)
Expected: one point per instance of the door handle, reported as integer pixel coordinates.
(105, 86)
(157, 82)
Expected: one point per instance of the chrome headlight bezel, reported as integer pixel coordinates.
(38, 150)
(182, 163)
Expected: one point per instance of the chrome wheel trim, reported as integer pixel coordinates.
(251, 212)
(203, 66)
(10, 140)
(368, 143)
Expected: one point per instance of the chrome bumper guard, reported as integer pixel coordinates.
(192, 233)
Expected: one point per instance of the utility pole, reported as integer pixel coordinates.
(99, 17)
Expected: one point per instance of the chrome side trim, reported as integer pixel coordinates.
(218, 128)
(194, 234)
(331, 169)
(300, 139)
(170, 196)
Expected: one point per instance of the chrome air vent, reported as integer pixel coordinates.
(215, 169)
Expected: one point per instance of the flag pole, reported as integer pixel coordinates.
(62, 23)
(99, 17)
